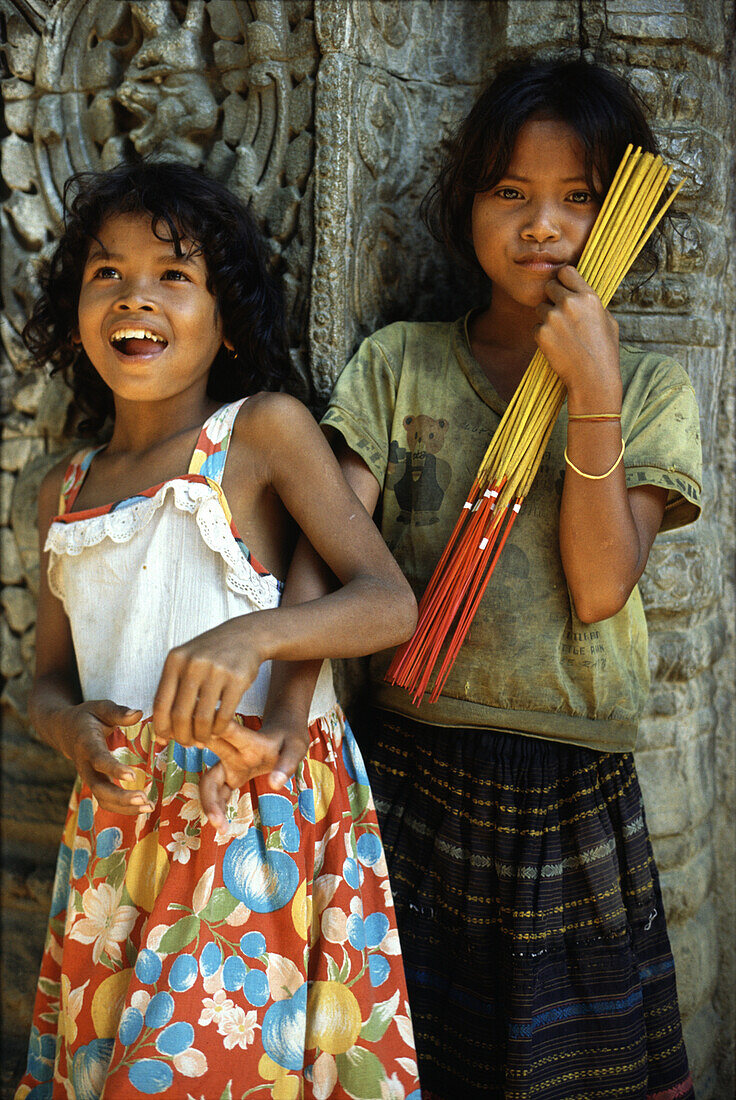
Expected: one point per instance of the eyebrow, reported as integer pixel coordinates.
(100, 253)
(525, 179)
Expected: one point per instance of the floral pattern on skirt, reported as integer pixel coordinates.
(263, 962)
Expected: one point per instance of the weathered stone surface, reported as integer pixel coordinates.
(686, 888)
(11, 660)
(28, 398)
(677, 849)
(19, 607)
(25, 514)
(53, 408)
(11, 571)
(16, 453)
(701, 1032)
(696, 962)
(24, 928)
(679, 784)
(7, 484)
(14, 696)
(28, 646)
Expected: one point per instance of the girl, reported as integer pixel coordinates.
(527, 897)
(260, 960)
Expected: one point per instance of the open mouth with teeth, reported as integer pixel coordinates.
(137, 341)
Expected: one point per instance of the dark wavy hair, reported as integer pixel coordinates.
(598, 105)
(192, 211)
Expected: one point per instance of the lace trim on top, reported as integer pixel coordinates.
(197, 495)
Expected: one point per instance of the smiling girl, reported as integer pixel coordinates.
(181, 959)
(528, 901)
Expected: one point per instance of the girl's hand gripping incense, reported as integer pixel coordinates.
(579, 337)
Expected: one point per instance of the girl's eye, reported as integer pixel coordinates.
(581, 197)
(508, 193)
(175, 274)
(107, 273)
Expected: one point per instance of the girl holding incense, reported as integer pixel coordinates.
(532, 925)
(262, 957)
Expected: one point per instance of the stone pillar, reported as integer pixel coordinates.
(675, 55)
(329, 115)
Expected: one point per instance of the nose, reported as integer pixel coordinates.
(542, 223)
(136, 295)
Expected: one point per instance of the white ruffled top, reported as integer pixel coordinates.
(152, 573)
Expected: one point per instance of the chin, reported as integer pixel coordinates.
(532, 299)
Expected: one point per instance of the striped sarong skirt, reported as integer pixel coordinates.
(531, 920)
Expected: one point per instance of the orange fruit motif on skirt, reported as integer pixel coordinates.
(333, 1017)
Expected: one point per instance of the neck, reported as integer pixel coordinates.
(508, 326)
(140, 425)
(502, 341)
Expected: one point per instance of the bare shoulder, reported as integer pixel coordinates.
(49, 493)
(50, 488)
(270, 421)
(278, 412)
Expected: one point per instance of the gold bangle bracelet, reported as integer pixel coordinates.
(596, 477)
(594, 416)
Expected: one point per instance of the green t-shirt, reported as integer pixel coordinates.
(417, 407)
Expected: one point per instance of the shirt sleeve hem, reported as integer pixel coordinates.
(683, 502)
(358, 439)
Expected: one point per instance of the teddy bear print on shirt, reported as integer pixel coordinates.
(415, 474)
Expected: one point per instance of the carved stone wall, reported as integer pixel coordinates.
(329, 115)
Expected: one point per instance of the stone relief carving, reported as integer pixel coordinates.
(227, 85)
(164, 84)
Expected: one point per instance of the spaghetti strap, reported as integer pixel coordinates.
(74, 476)
(210, 452)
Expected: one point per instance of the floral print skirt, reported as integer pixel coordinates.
(263, 962)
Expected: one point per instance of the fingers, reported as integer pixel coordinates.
(555, 292)
(569, 286)
(112, 714)
(229, 700)
(570, 277)
(111, 797)
(205, 711)
(100, 769)
(293, 750)
(91, 749)
(256, 755)
(214, 793)
(196, 698)
(165, 696)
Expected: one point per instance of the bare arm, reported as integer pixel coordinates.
(75, 728)
(293, 682)
(374, 608)
(606, 530)
(283, 739)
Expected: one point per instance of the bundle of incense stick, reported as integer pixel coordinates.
(626, 220)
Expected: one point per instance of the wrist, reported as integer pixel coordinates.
(263, 636)
(593, 399)
(292, 708)
(45, 722)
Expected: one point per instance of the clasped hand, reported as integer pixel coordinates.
(86, 728)
(275, 750)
